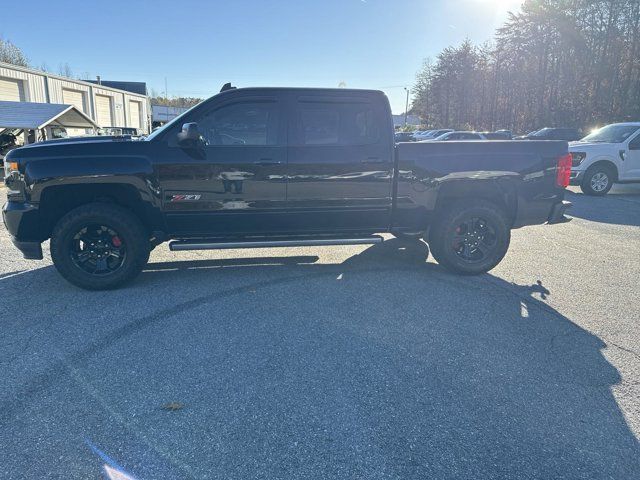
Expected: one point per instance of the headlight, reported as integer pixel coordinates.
(9, 168)
(577, 158)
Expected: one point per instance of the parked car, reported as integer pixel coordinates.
(507, 133)
(607, 156)
(566, 134)
(419, 136)
(459, 135)
(118, 131)
(333, 176)
(441, 131)
(499, 135)
(404, 137)
(8, 141)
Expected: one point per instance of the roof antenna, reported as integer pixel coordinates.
(227, 86)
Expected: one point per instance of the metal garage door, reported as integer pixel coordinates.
(134, 114)
(104, 114)
(11, 90)
(75, 98)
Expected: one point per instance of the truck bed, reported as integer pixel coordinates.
(522, 173)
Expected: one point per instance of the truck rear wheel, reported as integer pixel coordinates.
(470, 238)
(99, 246)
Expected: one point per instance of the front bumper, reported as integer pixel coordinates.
(21, 220)
(557, 213)
(30, 250)
(576, 177)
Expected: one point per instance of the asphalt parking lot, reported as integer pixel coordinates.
(334, 362)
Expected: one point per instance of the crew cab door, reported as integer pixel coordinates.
(234, 182)
(631, 164)
(340, 163)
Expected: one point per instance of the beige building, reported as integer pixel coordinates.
(107, 106)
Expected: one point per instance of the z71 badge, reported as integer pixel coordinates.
(185, 197)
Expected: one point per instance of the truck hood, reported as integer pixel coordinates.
(77, 146)
(592, 147)
(85, 139)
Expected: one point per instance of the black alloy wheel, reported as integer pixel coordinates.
(474, 240)
(98, 250)
(470, 237)
(99, 246)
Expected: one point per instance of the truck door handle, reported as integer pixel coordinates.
(267, 161)
(372, 160)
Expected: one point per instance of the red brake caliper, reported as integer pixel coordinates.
(115, 240)
(456, 244)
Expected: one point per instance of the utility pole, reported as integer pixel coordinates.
(166, 100)
(406, 107)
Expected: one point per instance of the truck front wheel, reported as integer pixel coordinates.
(99, 246)
(598, 180)
(470, 239)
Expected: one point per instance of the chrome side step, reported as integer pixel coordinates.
(177, 245)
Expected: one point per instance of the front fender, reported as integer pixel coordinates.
(57, 185)
(135, 171)
(612, 158)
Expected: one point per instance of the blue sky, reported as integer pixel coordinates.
(200, 45)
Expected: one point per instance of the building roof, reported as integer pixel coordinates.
(139, 88)
(33, 116)
(66, 79)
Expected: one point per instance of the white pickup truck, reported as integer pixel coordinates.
(607, 156)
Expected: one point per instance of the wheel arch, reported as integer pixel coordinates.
(606, 162)
(57, 200)
(500, 193)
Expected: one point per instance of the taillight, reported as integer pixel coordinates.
(563, 170)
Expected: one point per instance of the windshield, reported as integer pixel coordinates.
(169, 124)
(611, 134)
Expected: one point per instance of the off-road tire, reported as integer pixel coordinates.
(130, 230)
(444, 229)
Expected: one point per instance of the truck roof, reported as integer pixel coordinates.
(306, 90)
(625, 124)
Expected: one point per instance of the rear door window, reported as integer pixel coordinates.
(337, 123)
(635, 143)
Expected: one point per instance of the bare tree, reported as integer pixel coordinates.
(553, 63)
(9, 53)
(183, 102)
(64, 70)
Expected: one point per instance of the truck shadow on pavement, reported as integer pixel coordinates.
(382, 366)
(621, 207)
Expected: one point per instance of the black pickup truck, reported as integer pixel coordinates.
(258, 167)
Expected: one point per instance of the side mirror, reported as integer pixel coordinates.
(189, 136)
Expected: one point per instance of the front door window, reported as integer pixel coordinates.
(245, 123)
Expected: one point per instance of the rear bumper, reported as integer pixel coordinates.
(21, 220)
(557, 213)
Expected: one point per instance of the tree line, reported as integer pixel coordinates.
(183, 102)
(556, 63)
